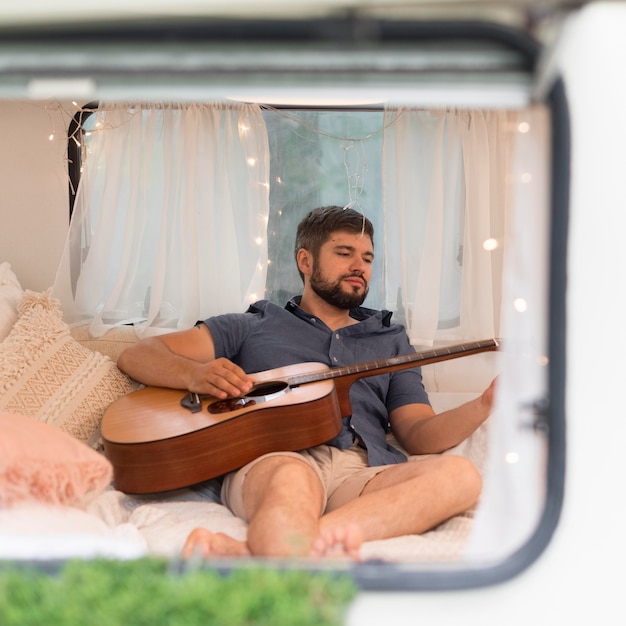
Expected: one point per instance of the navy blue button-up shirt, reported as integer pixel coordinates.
(268, 336)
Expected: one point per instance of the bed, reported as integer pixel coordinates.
(58, 499)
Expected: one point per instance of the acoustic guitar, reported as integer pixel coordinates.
(159, 439)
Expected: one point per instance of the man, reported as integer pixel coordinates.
(330, 498)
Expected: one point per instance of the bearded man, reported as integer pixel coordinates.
(356, 487)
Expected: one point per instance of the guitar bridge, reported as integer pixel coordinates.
(192, 401)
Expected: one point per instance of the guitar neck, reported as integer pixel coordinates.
(346, 376)
(390, 364)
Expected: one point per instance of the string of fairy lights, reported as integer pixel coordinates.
(354, 153)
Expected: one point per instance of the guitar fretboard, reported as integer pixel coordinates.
(414, 359)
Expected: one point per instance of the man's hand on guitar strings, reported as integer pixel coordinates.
(220, 378)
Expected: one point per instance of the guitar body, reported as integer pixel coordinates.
(155, 444)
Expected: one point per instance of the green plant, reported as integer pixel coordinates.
(149, 592)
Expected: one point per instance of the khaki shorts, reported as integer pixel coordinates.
(343, 474)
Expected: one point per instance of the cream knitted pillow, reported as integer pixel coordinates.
(46, 374)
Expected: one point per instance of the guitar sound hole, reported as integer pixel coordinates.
(267, 389)
(262, 391)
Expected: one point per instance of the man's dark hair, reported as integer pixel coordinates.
(315, 229)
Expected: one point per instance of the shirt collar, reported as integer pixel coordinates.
(359, 313)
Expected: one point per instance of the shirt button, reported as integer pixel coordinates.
(336, 335)
(335, 359)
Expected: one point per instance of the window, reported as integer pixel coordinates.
(434, 183)
(316, 153)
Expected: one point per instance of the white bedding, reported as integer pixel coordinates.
(123, 526)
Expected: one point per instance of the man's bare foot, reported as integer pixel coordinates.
(204, 543)
(338, 543)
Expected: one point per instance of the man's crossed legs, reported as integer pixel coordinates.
(326, 502)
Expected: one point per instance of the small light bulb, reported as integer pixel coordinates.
(511, 457)
(520, 305)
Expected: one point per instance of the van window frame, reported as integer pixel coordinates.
(550, 418)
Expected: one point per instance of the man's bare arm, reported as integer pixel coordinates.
(184, 360)
(420, 431)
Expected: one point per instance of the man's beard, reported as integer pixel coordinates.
(333, 293)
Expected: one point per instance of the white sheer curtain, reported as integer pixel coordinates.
(513, 495)
(445, 196)
(170, 219)
(476, 178)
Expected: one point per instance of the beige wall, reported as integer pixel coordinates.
(33, 188)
